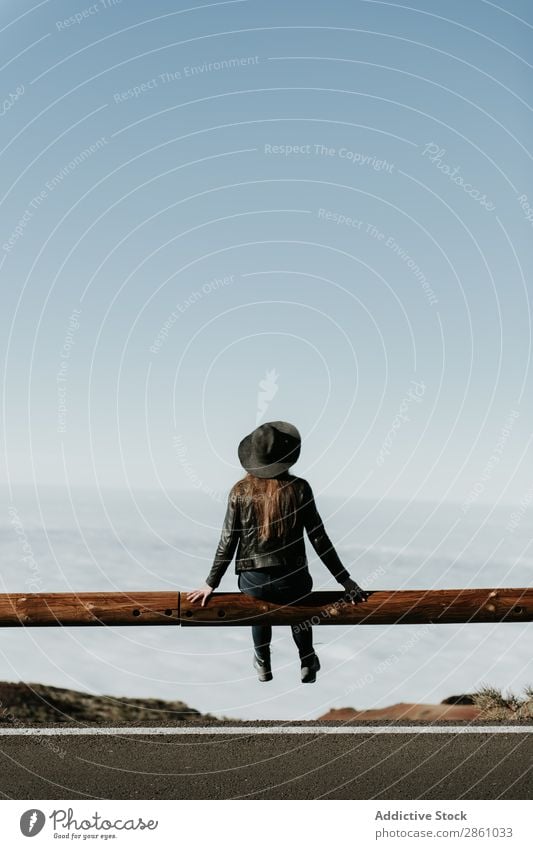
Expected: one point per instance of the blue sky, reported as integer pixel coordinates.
(248, 211)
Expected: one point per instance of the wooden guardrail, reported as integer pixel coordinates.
(384, 607)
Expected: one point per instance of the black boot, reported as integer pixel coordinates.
(310, 667)
(262, 666)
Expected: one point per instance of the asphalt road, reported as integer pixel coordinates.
(271, 764)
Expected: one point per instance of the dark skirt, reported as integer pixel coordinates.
(276, 586)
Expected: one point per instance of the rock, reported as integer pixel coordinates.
(464, 699)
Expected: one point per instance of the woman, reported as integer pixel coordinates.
(266, 515)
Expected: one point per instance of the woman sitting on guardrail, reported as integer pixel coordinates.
(266, 515)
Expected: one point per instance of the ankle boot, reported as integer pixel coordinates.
(262, 667)
(310, 667)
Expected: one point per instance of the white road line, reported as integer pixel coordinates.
(245, 731)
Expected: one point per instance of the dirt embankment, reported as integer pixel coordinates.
(403, 710)
(21, 702)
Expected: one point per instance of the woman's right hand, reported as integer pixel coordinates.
(203, 593)
(355, 592)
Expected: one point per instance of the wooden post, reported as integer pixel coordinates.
(48, 609)
(384, 607)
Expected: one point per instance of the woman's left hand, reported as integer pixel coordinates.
(203, 593)
(355, 592)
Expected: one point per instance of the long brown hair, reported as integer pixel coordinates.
(274, 501)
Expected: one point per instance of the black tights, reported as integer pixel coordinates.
(301, 634)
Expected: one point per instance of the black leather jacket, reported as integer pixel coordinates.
(239, 535)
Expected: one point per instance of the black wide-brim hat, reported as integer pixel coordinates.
(270, 449)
